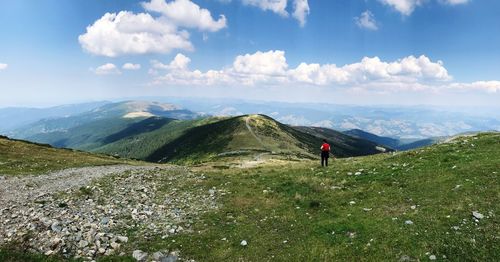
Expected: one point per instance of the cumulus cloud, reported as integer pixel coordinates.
(3, 66)
(366, 20)
(271, 68)
(276, 6)
(125, 33)
(130, 66)
(455, 2)
(301, 11)
(107, 69)
(489, 86)
(300, 8)
(405, 7)
(187, 14)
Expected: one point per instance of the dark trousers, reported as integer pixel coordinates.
(324, 158)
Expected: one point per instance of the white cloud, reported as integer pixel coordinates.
(187, 14)
(366, 20)
(3, 66)
(271, 68)
(127, 33)
(271, 63)
(489, 86)
(405, 7)
(455, 2)
(276, 6)
(130, 66)
(107, 69)
(301, 10)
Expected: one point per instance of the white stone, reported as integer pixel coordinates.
(477, 215)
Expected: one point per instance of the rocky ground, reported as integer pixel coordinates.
(100, 211)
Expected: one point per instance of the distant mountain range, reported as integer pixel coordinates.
(162, 132)
(399, 122)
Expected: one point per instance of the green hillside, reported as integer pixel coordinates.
(344, 145)
(411, 206)
(90, 135)
(21, 157)
(250, 135)
(138, 141)
(127, 111)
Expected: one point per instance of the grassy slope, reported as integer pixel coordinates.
(20, 158)
(140, 145)
(344, 145)
(306, 216)
(301, 212)
(86, 136)
(232, 136)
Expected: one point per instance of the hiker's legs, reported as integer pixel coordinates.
(322, 160)
(326, 161)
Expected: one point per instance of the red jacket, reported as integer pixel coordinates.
(325, 147)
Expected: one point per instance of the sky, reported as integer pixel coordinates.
(362, 52)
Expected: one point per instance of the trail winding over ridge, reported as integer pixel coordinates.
(247, 123)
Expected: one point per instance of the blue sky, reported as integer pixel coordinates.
(357, 52)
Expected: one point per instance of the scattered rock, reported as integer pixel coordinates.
(432, 257)
(122, 239)
(477, 215)
(139, 255)
(409, 222)
(85, 228)
(158, 256)
(169, 258)
(244, 243)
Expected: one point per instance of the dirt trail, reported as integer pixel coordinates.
(23, 189)
(247, 123)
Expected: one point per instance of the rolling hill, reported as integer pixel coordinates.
(22, 157)
(256, 134)
(127, 111)
(149, 131)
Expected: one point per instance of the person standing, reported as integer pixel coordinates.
(325, 153)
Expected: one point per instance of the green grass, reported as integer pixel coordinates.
(21, 158)
(298, 211)
(304, 204)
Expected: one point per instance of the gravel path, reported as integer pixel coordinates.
(23, 189)
(93, 211)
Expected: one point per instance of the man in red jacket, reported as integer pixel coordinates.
(325, 153)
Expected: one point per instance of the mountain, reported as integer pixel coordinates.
(401, 122)
(161, 132)
(387, 141)
(16, 117)
(22, 157)
(345, 145)
(254, 135)
(128, 111)
(398, 144)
